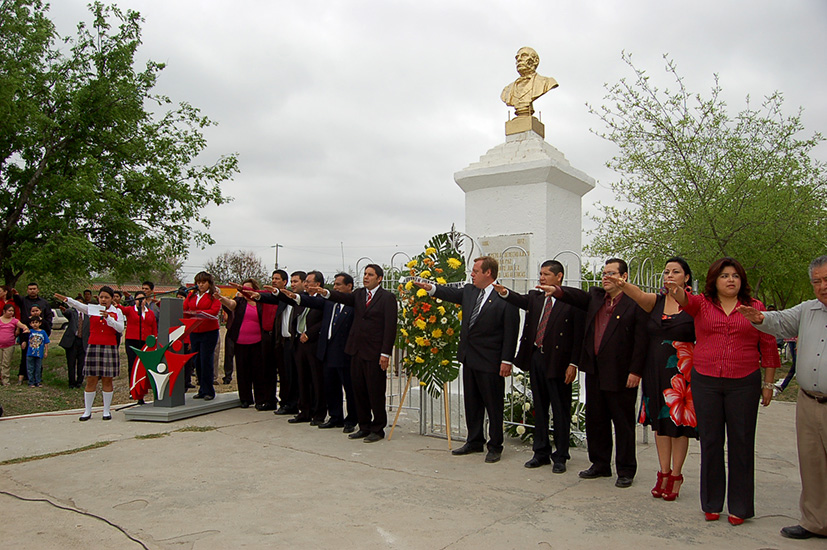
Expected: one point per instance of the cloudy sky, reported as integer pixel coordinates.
(350, 117)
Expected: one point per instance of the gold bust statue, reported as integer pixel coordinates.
(522, 92)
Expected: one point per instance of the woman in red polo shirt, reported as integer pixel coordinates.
(140, 323)
(203, 305)
(726, 386)
(102, 361)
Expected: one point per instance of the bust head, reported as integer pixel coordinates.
(527, 61)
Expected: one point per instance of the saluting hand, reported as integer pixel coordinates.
(289, 293)
(752, 314)
(548, 289)
(501, 290)
(425, 286)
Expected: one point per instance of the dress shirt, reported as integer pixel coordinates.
(325, 294)
(601, 320)
(807, 320)
(728, 346)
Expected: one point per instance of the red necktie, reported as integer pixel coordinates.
(541, 330)
(370, 297)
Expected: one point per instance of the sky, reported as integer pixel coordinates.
(350, 117)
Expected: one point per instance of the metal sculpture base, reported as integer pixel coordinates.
(193, 407)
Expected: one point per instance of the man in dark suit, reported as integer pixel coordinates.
(312, 402)
(369, 344)
(614, 350)
(488, 338)
(550, 351)
(330, 350)
(284, 332)
(73, 341)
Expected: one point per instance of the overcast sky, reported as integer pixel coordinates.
(350, 117)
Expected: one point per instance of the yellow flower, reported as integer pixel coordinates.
(430, 250)
(420, 324)
(453, 263)
(419, 360)
(403, 331)
(441, 310)
(437, 333)
(412, 263)
(459, 315)
(421, 293)
(441, 280)
(444, 362)
(409, 285)
(425, 274)
(420, 341)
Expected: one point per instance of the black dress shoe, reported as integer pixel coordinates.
(361, 434)
(285, 411)
(348, 429)
(246, 405)
(298, 420)
(265, 406)
(559, 468)
(315, 422)
(798, 532)
(106, 417)
(85, 418)
(209, 397)
(466, 449)
(330, 424)
(536, 462)
(624, 481)
(593, 473)
(373, 438)
(198, 396)
(493, 456)
(226, 381)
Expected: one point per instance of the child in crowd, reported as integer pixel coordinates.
(9, 328)
(35, 352)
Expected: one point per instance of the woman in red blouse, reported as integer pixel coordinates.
(726, 384)
(203, 305)
(140, 323)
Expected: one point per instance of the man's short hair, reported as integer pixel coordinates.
(818, 262)
(554, 266)
(347, 278)
(489, 264)
(281, 273)
(150, 284)
(378, 270)
(622, 267)
(318, 277)
(300, 274)
(32, 284)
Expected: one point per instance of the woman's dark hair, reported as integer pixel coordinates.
(8, 305)
(7, 288)
(203, 276)
(711, 290)
(108, 290)
(253, 283)
(684, 265)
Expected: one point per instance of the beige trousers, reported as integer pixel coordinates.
(811, 433)
(5, 361)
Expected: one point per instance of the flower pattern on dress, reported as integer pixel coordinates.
(681, 405)
(684, 352)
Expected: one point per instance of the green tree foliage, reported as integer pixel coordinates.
(92, 178)
(703, 184)
(235, 266)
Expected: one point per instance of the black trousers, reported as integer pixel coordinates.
(603, 410)
(269, 374)
(229, 357)
(727, 408)
(250, 373)
(288, 377)
(312, 401)
(337, 379)
(484, 392)
(369, 392)
(74, 362)
(551, 393)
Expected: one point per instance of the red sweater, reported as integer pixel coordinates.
(138, 328)
(100, 333)
(208, 304)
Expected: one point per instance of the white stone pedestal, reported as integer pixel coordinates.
(523, 193)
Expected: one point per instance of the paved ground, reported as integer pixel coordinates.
(247, 479)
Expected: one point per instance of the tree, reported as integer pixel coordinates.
(92, 179)
(236, 266)
(703, 184)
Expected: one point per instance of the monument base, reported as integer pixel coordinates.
(193, 407)
(522, 124)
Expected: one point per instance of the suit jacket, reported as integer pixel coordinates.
(493, 338)
(282, 301)
(67, 341)
(331, 351)
(374, 326)
(623, 348)
(563, 339)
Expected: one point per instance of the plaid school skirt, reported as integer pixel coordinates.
(101, 361)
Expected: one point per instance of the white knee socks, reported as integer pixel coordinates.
(88, 399)
(107, 401)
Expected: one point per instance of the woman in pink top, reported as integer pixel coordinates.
(245, 333)
(726, 385)
(9, 327)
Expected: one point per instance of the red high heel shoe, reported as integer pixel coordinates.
(668, 493)
(711, 516)
(657, 492)
(735, 520)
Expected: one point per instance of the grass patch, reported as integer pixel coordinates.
(22, 459)
(197, 429)
(152, 436)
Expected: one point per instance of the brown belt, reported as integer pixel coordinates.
(820, 399)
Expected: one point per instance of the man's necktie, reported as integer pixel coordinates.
(476, 312)
(370, 297)
(541, 330)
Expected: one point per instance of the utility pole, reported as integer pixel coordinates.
(277, 246)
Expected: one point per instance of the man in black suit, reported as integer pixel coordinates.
(488, 338)
(550, 351)
(369, 344)
(74, 340)
(330, 350)
(614, 350)
(312, 402)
